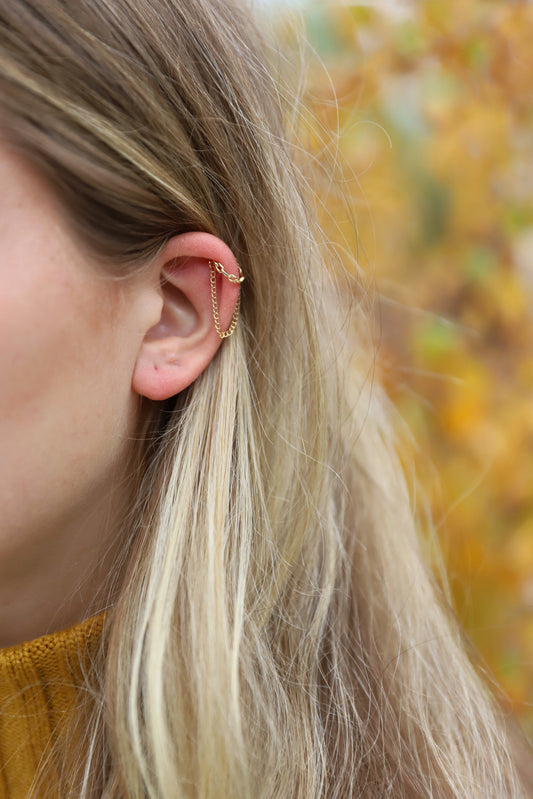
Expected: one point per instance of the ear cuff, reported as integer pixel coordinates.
(214, 267)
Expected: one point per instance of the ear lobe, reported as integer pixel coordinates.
(184, 340)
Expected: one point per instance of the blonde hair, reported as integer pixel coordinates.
(278, 633)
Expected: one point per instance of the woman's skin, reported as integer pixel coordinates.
(77, 349)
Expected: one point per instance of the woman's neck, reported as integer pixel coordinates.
(62, 573)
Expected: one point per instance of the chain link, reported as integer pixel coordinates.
(214, 268)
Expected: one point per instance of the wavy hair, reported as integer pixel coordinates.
(278, 633)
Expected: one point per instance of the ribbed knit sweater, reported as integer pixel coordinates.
(40, 685)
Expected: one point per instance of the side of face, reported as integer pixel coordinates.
(68, 338)
(78, 349)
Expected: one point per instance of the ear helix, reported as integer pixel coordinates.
(214, 268)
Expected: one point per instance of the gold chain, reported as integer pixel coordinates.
(214, 267)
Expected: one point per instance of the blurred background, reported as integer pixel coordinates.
(434, 103)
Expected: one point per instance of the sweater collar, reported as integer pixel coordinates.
(41, 683)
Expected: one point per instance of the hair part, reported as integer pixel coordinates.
(278, 632)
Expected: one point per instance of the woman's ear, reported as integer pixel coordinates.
(185, 339)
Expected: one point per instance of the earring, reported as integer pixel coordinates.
(214, 267)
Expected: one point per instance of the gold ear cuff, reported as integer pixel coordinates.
(214, 267)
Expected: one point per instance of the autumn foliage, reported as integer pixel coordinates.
(435, 111)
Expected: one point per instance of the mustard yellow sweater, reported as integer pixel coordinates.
(40, 685)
